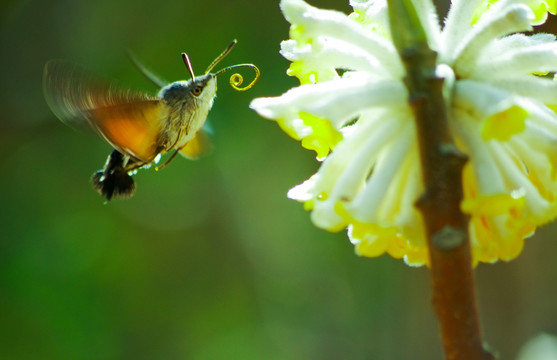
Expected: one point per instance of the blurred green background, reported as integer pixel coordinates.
(209, 260)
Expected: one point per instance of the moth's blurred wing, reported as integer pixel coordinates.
(132, 128)
(129, 121)
(198, 146)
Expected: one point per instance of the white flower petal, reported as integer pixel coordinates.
(389, 159)
(339, 101)
(489, 180)
(542, 89)
(479, 100)
(492, 25)
(330, 53)
(517, 178)
(351, 162)
(524, 61)
(336, 25)
(457, 25)
(373, 14)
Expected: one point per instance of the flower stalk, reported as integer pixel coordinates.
(446, 226)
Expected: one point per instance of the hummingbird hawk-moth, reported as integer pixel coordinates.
(140, 127)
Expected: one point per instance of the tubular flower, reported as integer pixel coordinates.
(352, 109)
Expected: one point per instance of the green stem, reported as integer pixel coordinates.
(454, 298)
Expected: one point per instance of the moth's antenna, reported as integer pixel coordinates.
(221, 56)
(187, 61)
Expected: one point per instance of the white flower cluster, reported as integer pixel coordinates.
(352, 109)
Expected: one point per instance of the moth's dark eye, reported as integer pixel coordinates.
(197, 90)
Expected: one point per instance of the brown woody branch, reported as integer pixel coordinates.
(454, 298)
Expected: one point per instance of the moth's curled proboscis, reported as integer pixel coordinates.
(237, 79)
